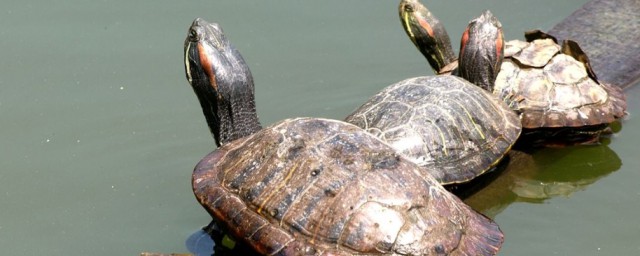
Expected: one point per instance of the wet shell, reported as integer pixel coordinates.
(321, 187)
(551, 89)
(443, 122)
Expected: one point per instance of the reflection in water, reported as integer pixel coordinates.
(200, 243)
(536, 176)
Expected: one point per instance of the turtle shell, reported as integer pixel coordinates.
(552, 86)
(323, 187)
(443, 122)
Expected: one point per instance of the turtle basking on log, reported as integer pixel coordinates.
(551, 87)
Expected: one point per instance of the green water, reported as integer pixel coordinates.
(100, 130)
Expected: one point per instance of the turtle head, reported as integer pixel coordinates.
(427, 34)
(222, 81)
(206, 58)
(481, 51)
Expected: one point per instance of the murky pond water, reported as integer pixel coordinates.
(101, 130)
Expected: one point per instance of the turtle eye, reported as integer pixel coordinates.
(193, 34)
(408, 8)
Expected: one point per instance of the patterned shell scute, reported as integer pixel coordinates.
(514, 46)
(558, 93)
(534, 54)
(442, 122)
(322, 187)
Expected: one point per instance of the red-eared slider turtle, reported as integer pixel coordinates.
(428, 34)
(552, 88)
(310, 186)
(447, 122)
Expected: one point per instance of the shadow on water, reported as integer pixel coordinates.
(534, 177)
(200, 243)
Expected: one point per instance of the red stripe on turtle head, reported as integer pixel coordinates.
(207, 66)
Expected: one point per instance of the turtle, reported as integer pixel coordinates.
(551, 87)
(555, 90)
(447, 122)
(606, 30)
(314, 186)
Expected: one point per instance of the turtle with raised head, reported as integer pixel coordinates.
(447, 122)
(551, 87)
(311, 186)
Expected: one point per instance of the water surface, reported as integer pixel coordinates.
(101, 130)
